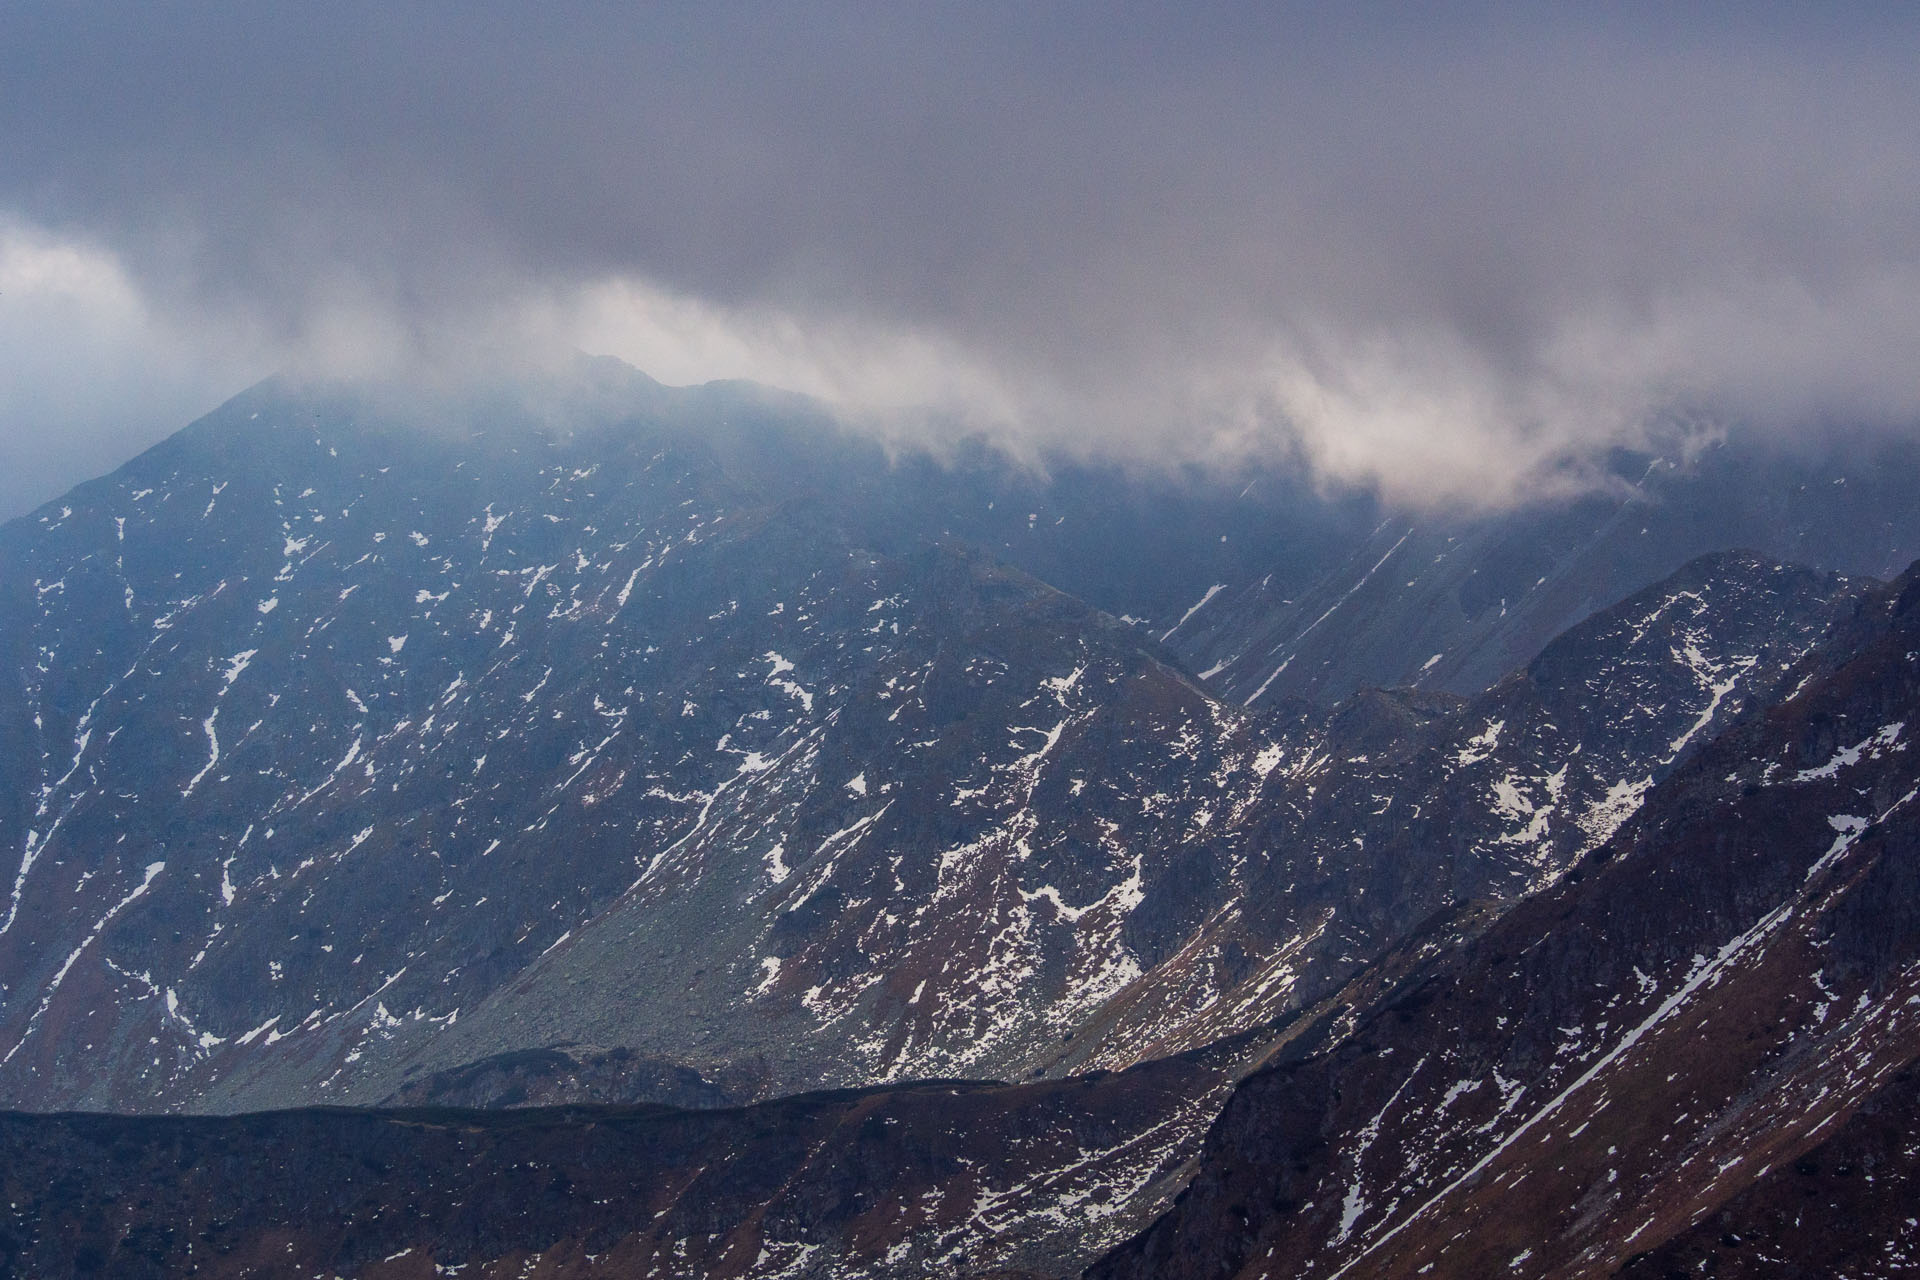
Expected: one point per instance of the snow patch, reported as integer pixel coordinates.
(1198, 605)
(1480, 746)
(1887, 739)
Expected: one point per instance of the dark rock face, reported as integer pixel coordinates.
(559, 1076)
(1702, 1000)
(928, 1179)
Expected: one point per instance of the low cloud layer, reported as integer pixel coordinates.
(1453, 256)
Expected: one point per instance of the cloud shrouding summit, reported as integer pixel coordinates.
(1454, 256)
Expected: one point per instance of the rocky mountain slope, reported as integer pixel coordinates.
(336, 761)
(1702, 1030)
(639, 745)
(1455, 603)
(1845, 1207)
(1399, 807)
(1662, 1042)
(343, 755)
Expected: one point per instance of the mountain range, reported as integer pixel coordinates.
(591, 827)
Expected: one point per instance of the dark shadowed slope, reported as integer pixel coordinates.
(928, 1179)
(1846, 1207)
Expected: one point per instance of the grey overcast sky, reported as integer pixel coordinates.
(1448, 251)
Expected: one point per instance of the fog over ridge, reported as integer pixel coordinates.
(1454, 256)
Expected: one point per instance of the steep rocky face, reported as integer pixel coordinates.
(1455, 604)
(343, 755)
(1695, 1007)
